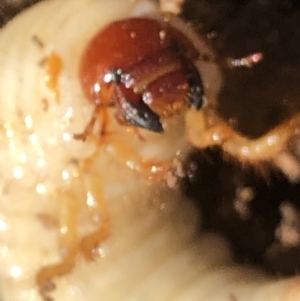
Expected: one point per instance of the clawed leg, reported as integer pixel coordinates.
(46, 274)
(86, 191)
(205, 129)
(109, 143)
(70, 242)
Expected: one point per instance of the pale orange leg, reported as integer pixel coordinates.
(90, 126)
(68, 243)
(126, 157)
(99, 213)
(204, 129)
(148, 168)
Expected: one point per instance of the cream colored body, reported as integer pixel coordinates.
(152, 252)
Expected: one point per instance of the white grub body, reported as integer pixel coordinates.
(152, 252)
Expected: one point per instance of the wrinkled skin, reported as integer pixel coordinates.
(254, 108)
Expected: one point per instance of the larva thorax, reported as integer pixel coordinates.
(64, 181)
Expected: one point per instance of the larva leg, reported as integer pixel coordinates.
(128, 157)
(100, 112)
(68, 242)
(119, 151)
(99, 213)
(206, 130)
(109, 142)
(93, 186)
(46, 274)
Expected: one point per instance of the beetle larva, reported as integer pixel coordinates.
(69, 195)
(44, 108)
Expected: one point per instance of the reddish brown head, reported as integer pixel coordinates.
(143, 67)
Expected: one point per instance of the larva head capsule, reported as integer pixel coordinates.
(145, 68)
